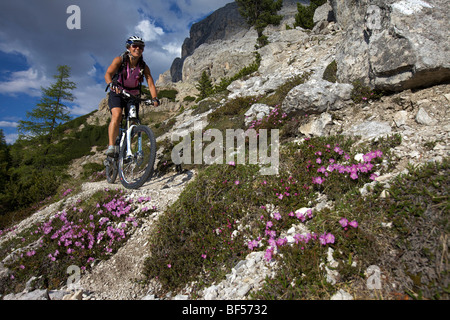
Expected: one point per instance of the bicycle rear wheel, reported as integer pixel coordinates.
(135, 169)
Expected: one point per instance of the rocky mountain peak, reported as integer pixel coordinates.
(222, 24)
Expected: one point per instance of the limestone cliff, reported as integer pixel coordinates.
(222, 24)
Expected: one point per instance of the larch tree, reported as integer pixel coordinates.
(51, 110)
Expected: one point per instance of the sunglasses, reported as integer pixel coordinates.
(135, 46)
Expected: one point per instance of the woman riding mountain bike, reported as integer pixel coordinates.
(126, 72)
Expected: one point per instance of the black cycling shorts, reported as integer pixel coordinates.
(118, 101)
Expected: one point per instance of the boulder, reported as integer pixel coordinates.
(317, 96)
(393, 45)
(370, 129)
(256, 112)
(317, 126)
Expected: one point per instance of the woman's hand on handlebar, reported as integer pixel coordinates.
(154, 102)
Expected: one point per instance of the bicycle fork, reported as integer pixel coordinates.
(129, 153)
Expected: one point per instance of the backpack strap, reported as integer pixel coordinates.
(119, 72)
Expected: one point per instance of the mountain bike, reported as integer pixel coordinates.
(135, 148)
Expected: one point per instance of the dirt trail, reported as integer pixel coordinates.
(116, 277)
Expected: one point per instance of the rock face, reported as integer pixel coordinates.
(393, 45)
(220, 25)
(222, 44)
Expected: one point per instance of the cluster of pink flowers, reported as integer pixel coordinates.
(300, 239)
(353, 170)
(274, 242)
(95, 235)
(344, 223)
(67, 192)
(275, 117)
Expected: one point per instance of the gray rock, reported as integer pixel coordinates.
(317, 126)
(371, 129)
(323, 13)
(223, 24)
(317, 96)
(256, 112)
(400, 118)
(243, 290)
(341, 295)
(33, 295)
(422, 117)
(393, 45)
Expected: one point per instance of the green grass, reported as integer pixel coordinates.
(193, 240)
(219, 215)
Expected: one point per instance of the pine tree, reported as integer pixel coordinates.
(50, 111)
(305, 14)
(5, 160)
(204, 86)
(259, 14)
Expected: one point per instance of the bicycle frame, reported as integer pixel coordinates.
(130, 127)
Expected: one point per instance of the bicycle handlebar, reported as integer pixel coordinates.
(129, 95)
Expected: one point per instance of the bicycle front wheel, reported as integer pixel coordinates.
(110, 169)
(137, 167)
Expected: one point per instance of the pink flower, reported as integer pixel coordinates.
(317, 180)
(236, 182)
(169, 266)
(281, 242)
(322, 240)
(269, 253)
(353, 224)
(343, 222)
(31, 253)
(338, 150)
(277, 216)
(329, 238)
(300, 216)
(326, 238)
(252, 244)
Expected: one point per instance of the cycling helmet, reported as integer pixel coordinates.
(134, 39)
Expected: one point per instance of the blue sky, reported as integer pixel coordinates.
(34, 40)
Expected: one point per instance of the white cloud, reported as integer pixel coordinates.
(148, 31)
(92, 72)
(87, 99)
(27, 81)
(174, 49)
(8, 124)
(11, 138)
(37, 30)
